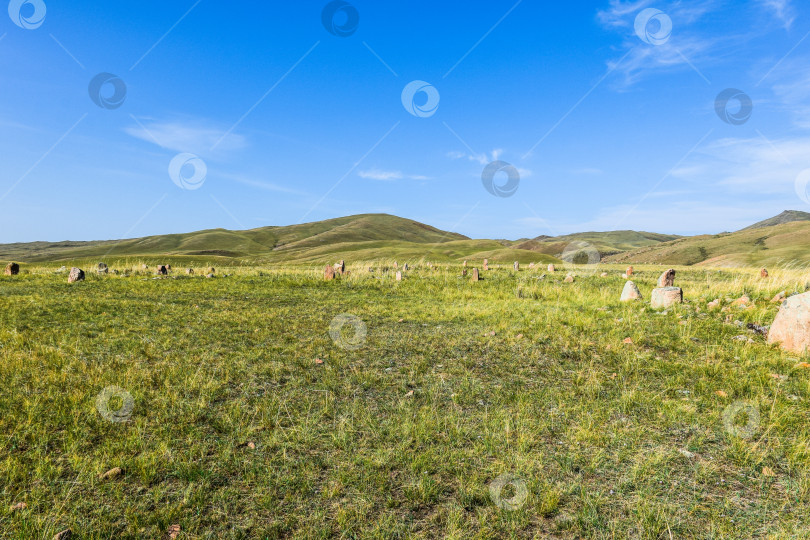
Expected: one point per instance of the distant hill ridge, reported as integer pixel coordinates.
(367, 237)
(779, 241)
(788, 216)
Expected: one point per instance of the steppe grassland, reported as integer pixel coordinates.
(606, 418)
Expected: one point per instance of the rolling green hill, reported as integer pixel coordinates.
(788, 216)
(356, 238)
(785, 244)
(369, 237)
(607, 243)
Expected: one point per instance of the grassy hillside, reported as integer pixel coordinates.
(513, 407)
(374, 237)
(787, 216)
(266, 243)
(778, 245)
(607, 243)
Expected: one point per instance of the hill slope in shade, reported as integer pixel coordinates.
(777, 245)
(788, 216)
(606, 243)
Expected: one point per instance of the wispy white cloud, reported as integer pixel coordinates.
(689, 46)
(483, 159)
(261, 184)
(382, 175)
(759, 166)
(587, 170)
(197, 137)
(792, 91)
(783, 10)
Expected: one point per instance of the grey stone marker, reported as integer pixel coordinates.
(664, 297)
(76, 274)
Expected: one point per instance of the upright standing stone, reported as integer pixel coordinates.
(763, 273)
(161, 270)
(329, 272)
(342, 267)
(486, 265)
(395, 265)
(405, 267)
(169, 267)
(517, 266)
(630, 271)
(631, 292)
(189, 271)
(463, 272)
(76, 274)
(664, 297)
(12, 269)
(552, 268)
(102, 268)
(791, 328)
(475, 274)
(667, 279)
(465, 264)
(399, 276)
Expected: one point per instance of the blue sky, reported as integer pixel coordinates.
(279, 121)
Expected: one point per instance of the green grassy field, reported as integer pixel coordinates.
(513, 407)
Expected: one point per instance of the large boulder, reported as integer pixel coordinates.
(12, 269)
(162, 270)
(664, 297)
(631, 292)
(76, 274)
(329, 272)
(791, 328)
(667, 279)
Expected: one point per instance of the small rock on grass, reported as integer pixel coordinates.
(112, 473)
(19, 506)
(76, 274)
(172, 532)
(742, 301)
(63, 535)
(631, 292)
(686, 453)
(664, 297)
